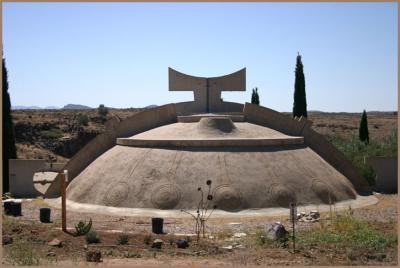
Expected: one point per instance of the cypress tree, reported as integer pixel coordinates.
(300, 103)
(255, 99)
(9, 149)
(363, 130)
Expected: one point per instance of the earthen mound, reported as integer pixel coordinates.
(216, 124)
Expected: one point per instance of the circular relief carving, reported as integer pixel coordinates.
(227, 197)
(281, 195)
(323, 191)
(166, 196)
(116, 194)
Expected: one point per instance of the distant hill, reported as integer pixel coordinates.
(51, 107)
(76, 107)
(151, 106)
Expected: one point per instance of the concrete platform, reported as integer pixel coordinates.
(193, 134)
(196, 117)
(359, 202)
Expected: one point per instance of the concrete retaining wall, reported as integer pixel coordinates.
(269, 118)
(386, 173)
(302, 127)
(21, 172)
(137, 123)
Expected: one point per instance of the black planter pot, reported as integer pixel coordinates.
(45, 215)
(157, 225)
(7, 207)
(16, 209)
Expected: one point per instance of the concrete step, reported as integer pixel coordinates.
(197, 117)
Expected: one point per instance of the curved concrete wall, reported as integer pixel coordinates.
(302, 127)
(137, 123)
(385, 168)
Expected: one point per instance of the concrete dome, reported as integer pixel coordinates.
(255, 157)
(250, 166)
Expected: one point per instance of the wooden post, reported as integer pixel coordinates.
(293, 215)
(63, 183)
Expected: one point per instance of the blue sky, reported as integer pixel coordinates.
(119, 53)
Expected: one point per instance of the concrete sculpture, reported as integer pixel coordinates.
(256, 157)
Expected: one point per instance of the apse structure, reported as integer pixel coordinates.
(255, 157)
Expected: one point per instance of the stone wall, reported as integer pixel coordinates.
(386, 173)
(21, 172)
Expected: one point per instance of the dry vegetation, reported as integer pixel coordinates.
(354, 237)
(56, 132)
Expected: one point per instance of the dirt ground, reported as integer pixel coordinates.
(30, 235)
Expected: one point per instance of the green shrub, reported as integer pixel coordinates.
(92, 237)
(83, 119)
(21, 253)
(260, 237)
(347, 231)
(122, 239)
(82, 228)
(102, 110)
(355, 151)
(52, 134)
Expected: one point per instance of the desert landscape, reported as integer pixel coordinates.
(61, 133)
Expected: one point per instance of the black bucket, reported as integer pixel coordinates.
(16, 209)
(45, 215)
(7, 206)
(157, 225)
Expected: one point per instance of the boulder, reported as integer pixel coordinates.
(157, 243)
(182, 243)
(55, 243)
(276, 231)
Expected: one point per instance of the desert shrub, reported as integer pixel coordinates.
(102, 110)
(82, 228)
(83, 119)
(355, 151)
(346, 231)
(92, 237)
(147, 239)
(225, 233)
(122, 239)
(51, 134)
(22, 254)
(260, 237)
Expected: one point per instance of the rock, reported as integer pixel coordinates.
(239, 235)
(276, 231)
(211, 237)
(93, 256)
(55, 243)
(85, 246)
(303, 214)
(182, 243)
(7, 239)
(228, 248)
(51, 254)
(157, 243)
(314, 214)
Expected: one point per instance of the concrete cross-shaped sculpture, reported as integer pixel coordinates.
(207, 90)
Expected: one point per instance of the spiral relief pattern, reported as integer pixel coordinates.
(227, 197)
(323, 191)
(116, 194)
(165, 196)
(278, 194)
